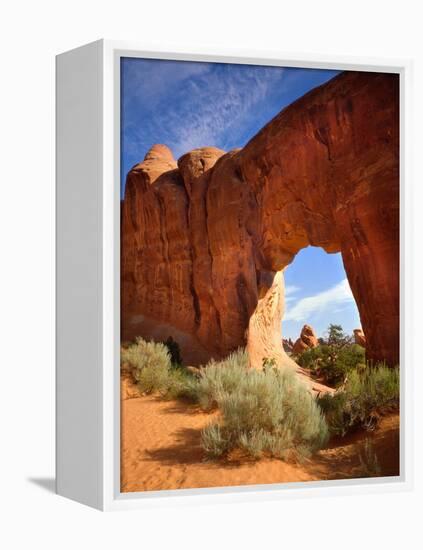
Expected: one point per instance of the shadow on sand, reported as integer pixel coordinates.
(187, 451)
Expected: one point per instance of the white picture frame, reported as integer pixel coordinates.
(88, 278)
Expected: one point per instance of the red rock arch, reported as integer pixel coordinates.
(203, 239)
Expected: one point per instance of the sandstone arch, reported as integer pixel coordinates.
(205, 240)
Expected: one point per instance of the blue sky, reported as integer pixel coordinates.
(187, 105)
(317, 293)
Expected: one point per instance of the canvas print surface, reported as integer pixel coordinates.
(259, 275)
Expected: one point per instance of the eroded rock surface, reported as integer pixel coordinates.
(359, 337)
(307, 340)
(205, 240)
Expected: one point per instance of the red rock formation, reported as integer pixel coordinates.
(202, 241)
(359, 337)
(307, 340)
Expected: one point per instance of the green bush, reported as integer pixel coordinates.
(182, 385)
(141, 353)
(213, 440)
(334, 357)
(333, 364)
(367, 394)
(152, 379)
(265, 412)
(151, 367)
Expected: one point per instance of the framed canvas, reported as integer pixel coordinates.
(233, 275)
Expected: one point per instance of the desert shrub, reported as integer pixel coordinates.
(182, 385)
(269, 363)
(152, 379)
(312, 358)
(141, 353)
(266, 412)
(367, 394)
(333, 364)
(150, 364)
(213, 440)
(221, 377)
(151, 367)
(334, 357)
(369, 462)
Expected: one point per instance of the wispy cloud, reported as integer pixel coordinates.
(189, 105)
(332, 299)
(290, 291)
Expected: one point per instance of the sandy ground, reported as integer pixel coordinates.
(161, 449)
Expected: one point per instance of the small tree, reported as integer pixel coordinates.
(174, 350)
(335, 356)
(336, 340)
(336, 337)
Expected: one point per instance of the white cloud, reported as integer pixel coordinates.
(206, 103)
(216, 105)
(329, 300)
(290, 290)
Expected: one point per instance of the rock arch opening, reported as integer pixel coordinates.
(312, 290)
(317, 293)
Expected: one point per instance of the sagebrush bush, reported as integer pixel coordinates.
(265, 412)
(142, 353)
(368, 393)
(213, 440)
(152, 379)
(152, 369)
(182, 385)
(150, 364)
(221, 377)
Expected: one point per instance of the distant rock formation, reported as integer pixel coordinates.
(359, 337)
(204, 238)
(307, 340)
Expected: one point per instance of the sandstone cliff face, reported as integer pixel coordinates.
(264, 329)
(205, 240)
